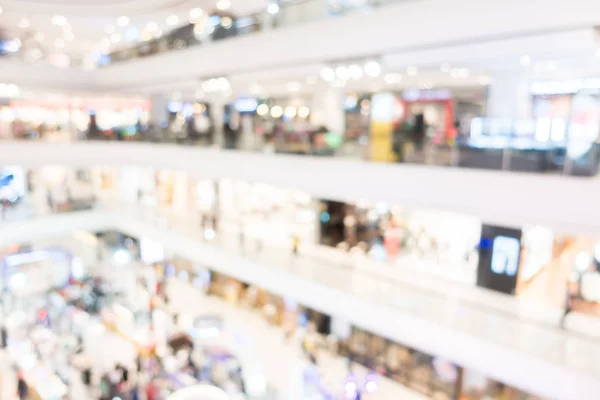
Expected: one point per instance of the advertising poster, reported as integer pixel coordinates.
(499, 258)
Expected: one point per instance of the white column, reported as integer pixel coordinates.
(509, 97)
(158, 110)
(217, 113)
(328, 110)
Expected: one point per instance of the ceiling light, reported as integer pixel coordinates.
(123, 21)
(196, 14)
(484, 80)
(198, 31)
(262, 109)
(445, 68)
(115, 37)
(226, 22)
(355, 71)
(328, 74)
(539, 67)
(59, 43)
(338, 83)
(459, 72)
(223, 84)
(59, 20)
(303, 112)
(172, 20)
(525, 61)
(109, 29)
(24, 23)
(342, 72)
(276, 112)
(392, 78)
(294, 86)
(39, 36)
(372, 68)
(223, 4)
(290, 112)
(1, 10)
(412, 71)
(273, 8)
(132, 34)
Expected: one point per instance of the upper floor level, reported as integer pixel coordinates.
(396, 36)
(565, 204)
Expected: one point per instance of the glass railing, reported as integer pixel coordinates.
(222, 26)
(575, 157)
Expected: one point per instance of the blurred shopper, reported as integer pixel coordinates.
(259, 244)
(22, 388)
(242, 238)
(3, 336)
(104, 387)
(568, 307)
(295, 245)
(151, 391)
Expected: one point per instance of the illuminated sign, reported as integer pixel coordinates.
(564, 87)
(426, 95)
(244, 105)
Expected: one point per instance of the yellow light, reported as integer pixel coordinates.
(303, 112)
(262, 109)
(276, 112)
(172, 20)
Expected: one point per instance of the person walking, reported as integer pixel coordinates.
(22, 388)
(4, 336)
(568, 307)
(295, 245)
(242, 238)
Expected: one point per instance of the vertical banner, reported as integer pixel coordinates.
(499, 258)
(382, 129)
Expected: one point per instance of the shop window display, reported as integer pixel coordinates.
(431, 376)
(444, 241)
(558, 270)
(280, 213)
(476, 386)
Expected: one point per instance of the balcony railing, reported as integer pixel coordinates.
(220, 26)
(507, 153)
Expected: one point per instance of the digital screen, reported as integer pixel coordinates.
(505, 255)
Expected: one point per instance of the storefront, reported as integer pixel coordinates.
(62, 188)
(442, 240)
(284, 123)
(72, 118)
(278, 214)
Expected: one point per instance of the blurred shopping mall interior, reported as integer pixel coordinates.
(299, 200)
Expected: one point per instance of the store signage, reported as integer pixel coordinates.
(426, 95)
(570, 86)
(246, 105)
